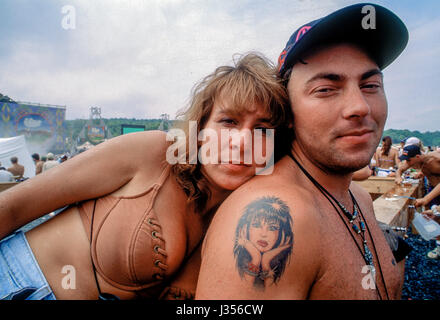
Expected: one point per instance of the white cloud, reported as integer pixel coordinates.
(141, 58)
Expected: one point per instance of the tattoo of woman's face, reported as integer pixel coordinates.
(263, 241)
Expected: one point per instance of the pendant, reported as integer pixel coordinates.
(368, 256)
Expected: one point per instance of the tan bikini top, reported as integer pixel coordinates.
(127, 247)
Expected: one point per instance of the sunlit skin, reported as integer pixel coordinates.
(231, 175)
(263, 235)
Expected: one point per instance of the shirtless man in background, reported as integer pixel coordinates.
(429, 164)
(306, 231)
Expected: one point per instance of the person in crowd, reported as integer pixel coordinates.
(386, 156)
(362, 174)
(401, 146)
(133, 225)
(429, 164)
(311, 233)
(16, 169)
(50, 162)
(5, 176)
(38, 163)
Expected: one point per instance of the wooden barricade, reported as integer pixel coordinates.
(392, 203)
(377, 186)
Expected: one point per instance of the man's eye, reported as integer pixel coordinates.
(323, 90)
(371, 86)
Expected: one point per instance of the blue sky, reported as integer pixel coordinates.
(140, 58)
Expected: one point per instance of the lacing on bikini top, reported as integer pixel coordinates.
(127, 247)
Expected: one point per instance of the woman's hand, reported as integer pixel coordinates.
(269, 255)
(249, 246)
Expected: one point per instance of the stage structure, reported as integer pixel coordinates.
(94, 131)
(42, 125)
(165, 123)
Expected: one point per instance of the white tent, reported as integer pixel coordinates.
(16, 146)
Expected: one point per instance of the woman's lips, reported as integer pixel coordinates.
(262, 243)
(236, 167)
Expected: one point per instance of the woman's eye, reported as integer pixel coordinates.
(273, 228)
(227, 121)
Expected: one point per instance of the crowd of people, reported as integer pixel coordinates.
(139, 226)
(15, 172)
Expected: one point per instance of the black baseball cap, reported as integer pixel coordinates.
(409, 152)
(376, 29)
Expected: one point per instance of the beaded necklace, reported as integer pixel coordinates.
(366, 253)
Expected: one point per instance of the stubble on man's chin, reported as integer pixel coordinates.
(339, 165)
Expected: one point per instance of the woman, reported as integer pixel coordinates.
(134, 219)
(387, 157)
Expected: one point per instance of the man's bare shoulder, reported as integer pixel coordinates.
(260, 244)
(279, 182)
(434, 155)
(432, 162)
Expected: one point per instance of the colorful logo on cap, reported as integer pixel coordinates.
(283, 56)
(301, 32)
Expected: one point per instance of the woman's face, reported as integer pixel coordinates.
(227, 154)
(264, 235)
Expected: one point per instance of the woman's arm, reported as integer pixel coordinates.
(96, 172)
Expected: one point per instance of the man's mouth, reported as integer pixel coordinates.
(357, 136)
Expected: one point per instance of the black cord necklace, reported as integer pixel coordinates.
(363, 226)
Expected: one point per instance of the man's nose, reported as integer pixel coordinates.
(356, 106)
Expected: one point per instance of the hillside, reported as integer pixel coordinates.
(428, 138)
(74, 127)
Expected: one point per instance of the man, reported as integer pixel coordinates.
(50, 163)
(5, 176)
(16, 169)
(38, 163)
(305, 231)
(429, 164)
